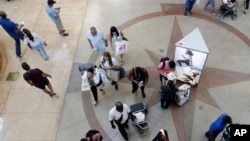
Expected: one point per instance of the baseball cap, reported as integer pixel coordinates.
(51, 2)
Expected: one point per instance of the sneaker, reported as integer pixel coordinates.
(116, 87)
(60, 32)
(159, 104)
(143, 95)
(51, 95)
(133, 91)
(245, 12)
(190, 13)
(65, 34)
(213, 14)
(95, 102)
(185, 13)
(207, 134)
(46, 58)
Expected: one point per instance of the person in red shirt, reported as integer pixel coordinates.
(38, 78)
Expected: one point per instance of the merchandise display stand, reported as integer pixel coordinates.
(191, 54)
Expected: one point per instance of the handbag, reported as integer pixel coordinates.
(121, 47)
(85, 84)
(113, 74)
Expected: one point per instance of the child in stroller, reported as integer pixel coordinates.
(229, 7)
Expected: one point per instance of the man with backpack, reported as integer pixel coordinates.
(165, 67)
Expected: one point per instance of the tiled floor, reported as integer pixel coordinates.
(152, 27)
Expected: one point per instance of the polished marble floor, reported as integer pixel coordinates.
(152, 27)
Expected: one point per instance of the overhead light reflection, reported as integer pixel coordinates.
(1, 123)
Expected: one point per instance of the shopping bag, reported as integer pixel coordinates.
(113, 75)
(121, 47)
(171, 76)
(85, 83)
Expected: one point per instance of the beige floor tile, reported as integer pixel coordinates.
(35, 101)
(36, 126)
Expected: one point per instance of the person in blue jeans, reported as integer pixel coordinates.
(13, 30)
(212, 4)
(218, 126)
(189, 6)
(36, 42)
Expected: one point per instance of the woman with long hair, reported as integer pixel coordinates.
(116, 36)
(35, 42)
(109, 63)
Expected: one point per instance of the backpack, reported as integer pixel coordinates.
(163, 60)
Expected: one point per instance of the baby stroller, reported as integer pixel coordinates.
(139, 112)
(228, 7)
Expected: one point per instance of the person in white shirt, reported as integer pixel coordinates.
(116, 36)
(96, 78)
(120, 115)
(109, 63)
(35, 42)
(97, 40)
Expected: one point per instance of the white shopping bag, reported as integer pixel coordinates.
(85, 83)
(121, 47)
(171, 76)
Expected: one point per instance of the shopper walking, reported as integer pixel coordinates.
(14, 30)
(116, 36)
(96, 79)
(109, 63)
(246, 7)
(36, 42)
(120, 115)
(55, 17)
(139, 77)
(218, 126)
(188, 7)
(38, 78)
(97, 40)
(212, 4)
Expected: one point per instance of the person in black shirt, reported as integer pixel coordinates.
(168, 93)
(139, 77)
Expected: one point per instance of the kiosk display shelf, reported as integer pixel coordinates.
(191, 54)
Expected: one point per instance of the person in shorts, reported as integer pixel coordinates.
(38, 78)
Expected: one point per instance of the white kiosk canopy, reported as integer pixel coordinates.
(193, 41)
